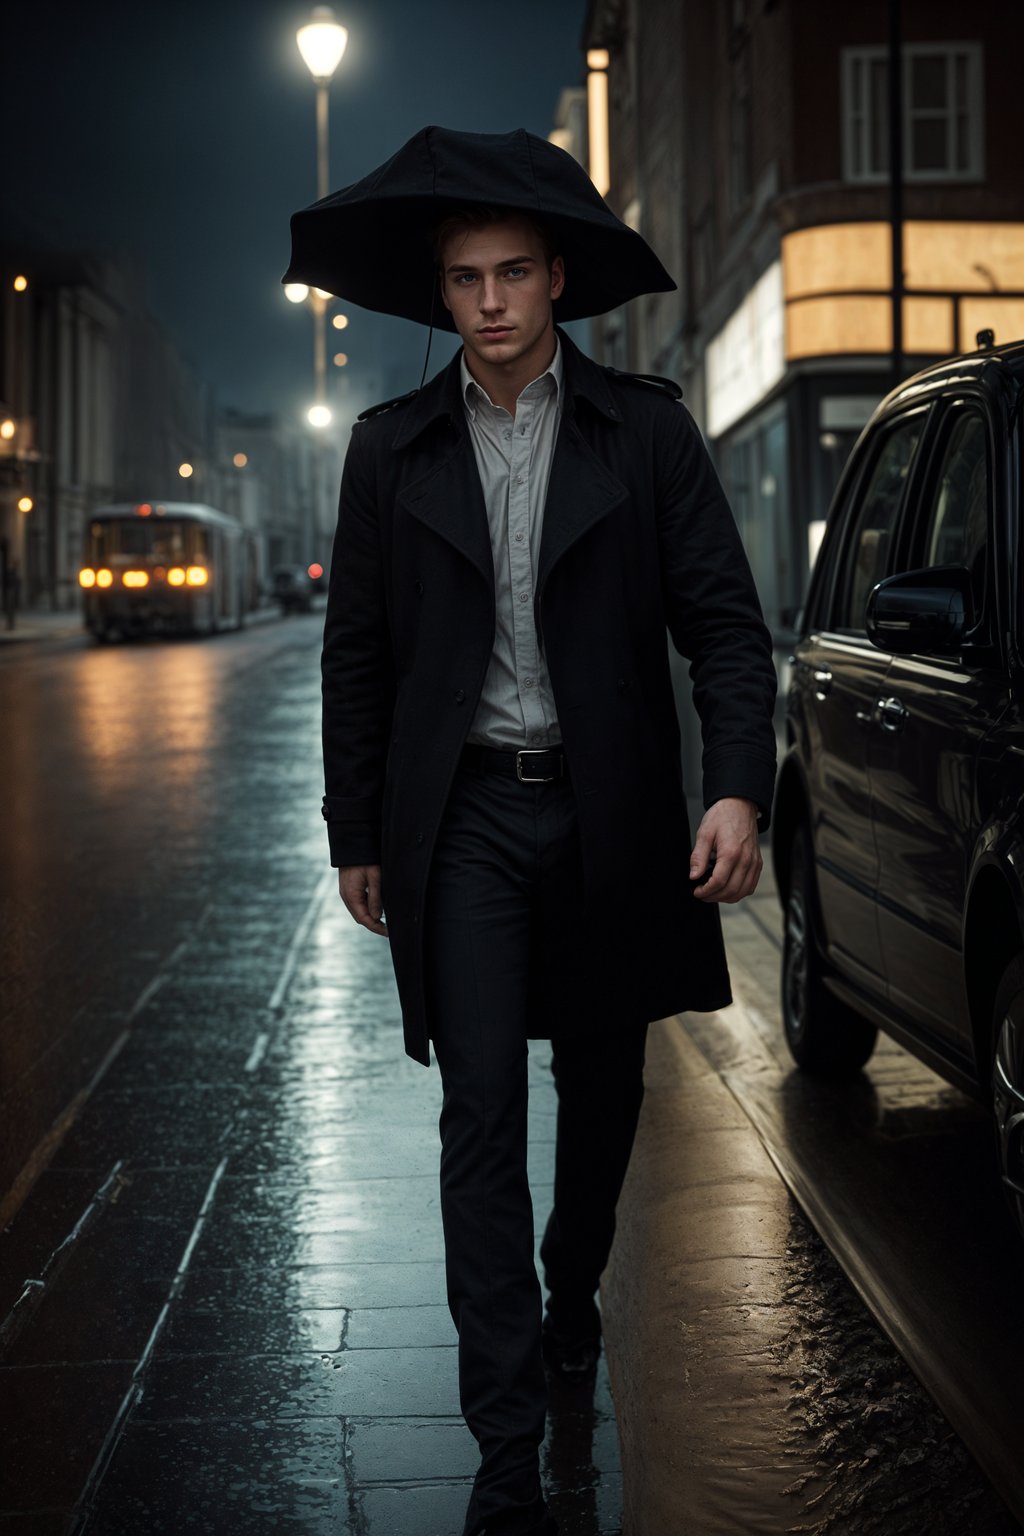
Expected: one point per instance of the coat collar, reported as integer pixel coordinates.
(440, 398)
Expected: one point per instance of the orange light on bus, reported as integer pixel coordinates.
(315, 571)
(87, 577)
(197, 576)
(175, 576)
(104, 578)
(135, 578)
(145, 510)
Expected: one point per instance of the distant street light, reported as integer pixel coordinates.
(7, 429)
(296, 293)
(340, 359)
(20, 284)
(240, 460)
(340, 322)
(25, 504)
(185, 471)
(319, 415)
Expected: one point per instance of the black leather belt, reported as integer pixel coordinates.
(529, 766)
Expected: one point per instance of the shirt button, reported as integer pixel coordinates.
(524, 597)
(506, 435)
(459, 696)
(519, 536)
(527, 682)
(519, 479)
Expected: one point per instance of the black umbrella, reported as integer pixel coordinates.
(371, 243)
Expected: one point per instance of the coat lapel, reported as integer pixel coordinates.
(449, 499)
(581, 491)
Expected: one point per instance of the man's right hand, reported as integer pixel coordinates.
(360, 889)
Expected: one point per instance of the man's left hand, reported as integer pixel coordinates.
(727, 838)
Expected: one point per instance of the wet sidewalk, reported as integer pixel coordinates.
(224, 1298)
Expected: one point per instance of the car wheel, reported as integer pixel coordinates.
(1008, 1085)
(824, 1035)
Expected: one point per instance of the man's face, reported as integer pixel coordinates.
(497, 284)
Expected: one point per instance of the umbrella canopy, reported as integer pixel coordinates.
(372, 243)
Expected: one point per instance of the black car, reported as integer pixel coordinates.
(293, 589)
(898, 841)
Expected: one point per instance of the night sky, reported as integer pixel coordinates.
(183, 134)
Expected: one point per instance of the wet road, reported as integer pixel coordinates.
(234, 1318)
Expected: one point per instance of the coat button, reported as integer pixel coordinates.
(419, 839)
(622, 684)
(459, 696)
(419, 589)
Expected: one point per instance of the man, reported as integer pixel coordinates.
(504, 797)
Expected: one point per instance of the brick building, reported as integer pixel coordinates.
(749, 143)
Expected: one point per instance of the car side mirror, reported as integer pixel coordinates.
(921, 611)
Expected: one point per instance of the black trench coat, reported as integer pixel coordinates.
(637, 535)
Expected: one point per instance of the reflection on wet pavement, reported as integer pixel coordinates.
(249, 1332)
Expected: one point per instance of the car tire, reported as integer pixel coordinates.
(1008, 1085)
(825, 1037)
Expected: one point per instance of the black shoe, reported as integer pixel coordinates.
(571, 1351)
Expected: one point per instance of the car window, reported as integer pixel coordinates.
(955, 531)
(866, 552)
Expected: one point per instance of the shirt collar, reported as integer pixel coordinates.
(473, 396)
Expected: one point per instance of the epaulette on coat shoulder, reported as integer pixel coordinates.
(651, 380)
(386, 405)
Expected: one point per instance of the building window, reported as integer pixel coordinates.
(942, 112)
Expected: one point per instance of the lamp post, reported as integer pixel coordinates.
(321, 43)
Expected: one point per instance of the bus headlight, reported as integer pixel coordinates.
(87, 577)
(175, 576)
(197, 576)
(135, 578)
(104, 578)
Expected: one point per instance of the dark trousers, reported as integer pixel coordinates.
(504, 920)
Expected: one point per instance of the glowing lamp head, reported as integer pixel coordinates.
(296, 293)
(319, 416)
(87, 577)
(240, 460)
(20, 283)
(340, 322)
(25, 503)
(7, 429)
(176, 576)
(135, 578)
(185, 471)
(197, 576)
(322, 42)
(104, 577)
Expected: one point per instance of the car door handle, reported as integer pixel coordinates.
(821, 677)
(891, 714)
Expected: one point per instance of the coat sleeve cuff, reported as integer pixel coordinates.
(352, 839)
(742, 778)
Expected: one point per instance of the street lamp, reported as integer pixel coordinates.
(321, 43)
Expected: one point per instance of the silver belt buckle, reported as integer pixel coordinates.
(544, 778)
